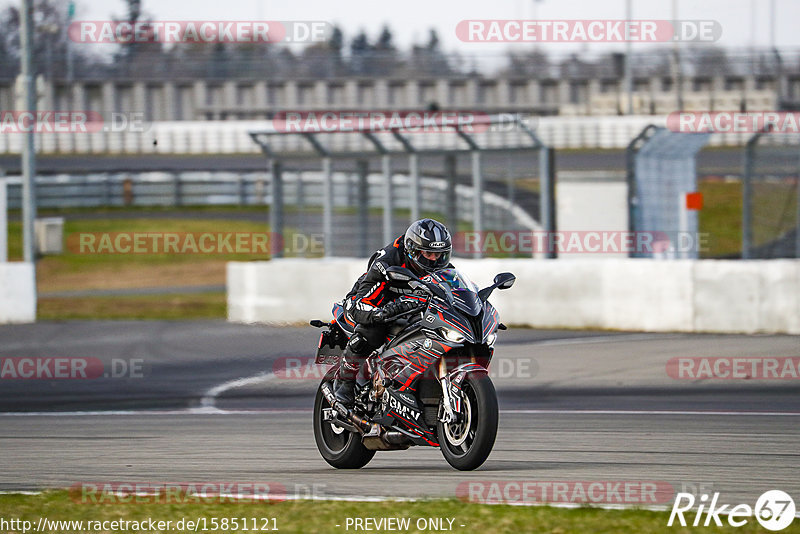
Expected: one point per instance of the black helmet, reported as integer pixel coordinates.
(431, 237)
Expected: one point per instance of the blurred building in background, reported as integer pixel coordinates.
(190, 81)
(251, 90)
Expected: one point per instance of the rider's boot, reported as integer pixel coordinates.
(355, 353)
(344, 385)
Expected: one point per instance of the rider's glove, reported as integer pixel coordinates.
(396, 308)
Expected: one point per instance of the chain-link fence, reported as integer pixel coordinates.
(509, 198)
(341, 191)
(661, 172)
(771, 203)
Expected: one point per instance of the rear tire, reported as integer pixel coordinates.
(467, 445)
(339, 447)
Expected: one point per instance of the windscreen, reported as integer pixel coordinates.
(457, 280)
(462, 291)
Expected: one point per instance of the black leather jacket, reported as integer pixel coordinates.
(371, 290)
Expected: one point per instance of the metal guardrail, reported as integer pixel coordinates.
(303, 196)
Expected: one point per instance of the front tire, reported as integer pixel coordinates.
(339, 447)
(467, 444)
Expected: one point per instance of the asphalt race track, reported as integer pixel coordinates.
(210, 401)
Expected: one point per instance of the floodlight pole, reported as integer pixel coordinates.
(29, 146)
(276, 210)
(413, 164)
(327, 212)
(477, 186)
(628, 50)
(363, 206)
(547, 181)
(3, 218)
(386, 166)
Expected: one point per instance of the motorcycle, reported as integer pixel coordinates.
(428, 385)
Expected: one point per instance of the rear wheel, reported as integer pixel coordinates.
(467, 443)
(339, 447)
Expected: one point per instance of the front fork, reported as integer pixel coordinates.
(452, 395)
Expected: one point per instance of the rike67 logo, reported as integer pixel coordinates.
(774, 510)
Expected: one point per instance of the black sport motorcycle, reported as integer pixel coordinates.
(427, 385)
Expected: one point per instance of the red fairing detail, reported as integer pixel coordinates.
(319, 345)
(415, 428)
(376, 294)
(490, 326)
(458, 326)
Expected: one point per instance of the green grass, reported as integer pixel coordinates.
(323, 516)
(173, 306)
(721, 216)
(73, 259)
(73, 271)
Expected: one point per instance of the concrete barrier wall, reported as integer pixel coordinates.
(625, 294)
(17, 293)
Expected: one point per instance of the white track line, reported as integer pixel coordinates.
(649, 412)
(208, 401)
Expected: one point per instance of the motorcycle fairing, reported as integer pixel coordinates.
(491, 319)
(408, 360)
(437, 317)
(341, 319)
(403, 410)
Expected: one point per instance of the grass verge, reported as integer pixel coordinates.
(176, 306)
(329, 516)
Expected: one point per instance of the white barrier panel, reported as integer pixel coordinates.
(622, 293)
(231, 136)
(577, 196)
(288, 290)
(17, 293)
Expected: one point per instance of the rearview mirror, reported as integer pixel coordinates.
(400, 274)
(504, 280)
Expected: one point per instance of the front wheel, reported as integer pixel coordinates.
(467, 443)
(339, 447)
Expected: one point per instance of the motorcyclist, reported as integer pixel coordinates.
(372, 305)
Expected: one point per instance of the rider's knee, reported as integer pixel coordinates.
(359, 345)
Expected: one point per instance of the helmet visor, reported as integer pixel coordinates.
(432, 260)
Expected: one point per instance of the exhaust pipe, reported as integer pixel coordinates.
(395, 438)
(372, 437)
(360, 423)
